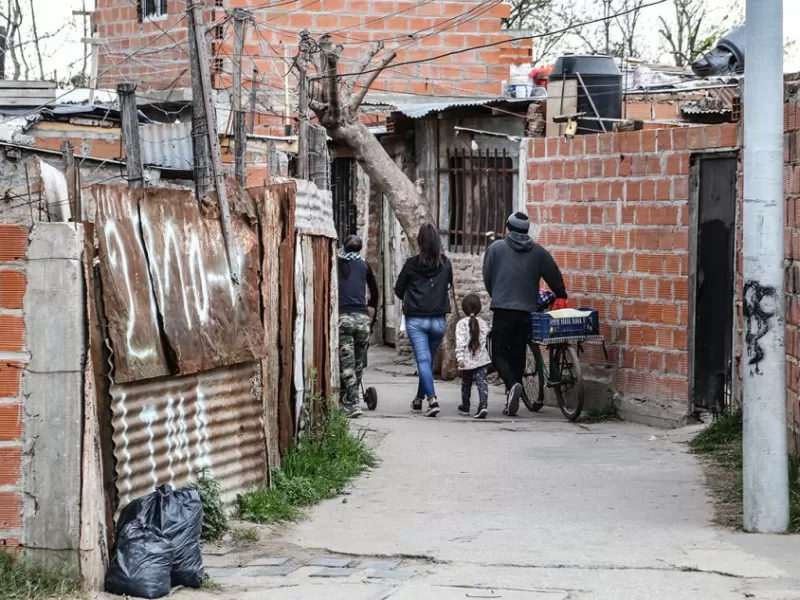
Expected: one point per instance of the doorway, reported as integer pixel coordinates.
(711, 297)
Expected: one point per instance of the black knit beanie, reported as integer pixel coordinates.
(519, 222)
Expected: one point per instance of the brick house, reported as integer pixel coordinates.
(144, 42)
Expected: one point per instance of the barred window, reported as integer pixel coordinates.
(481, 196)
(153, 9)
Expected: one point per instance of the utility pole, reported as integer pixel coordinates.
(240, 18)
(302, 129)
(197, 38)
(68, 154)
(765, 467)
(126, 93)
(251, 126)
(200, 154)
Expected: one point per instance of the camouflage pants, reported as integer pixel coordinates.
(354, 334)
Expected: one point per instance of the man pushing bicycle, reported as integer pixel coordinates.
(512, 268)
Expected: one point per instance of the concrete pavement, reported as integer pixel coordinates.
(525, 508)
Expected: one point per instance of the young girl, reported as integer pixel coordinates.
(472, 356)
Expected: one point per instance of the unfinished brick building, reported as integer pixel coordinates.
(144, 42)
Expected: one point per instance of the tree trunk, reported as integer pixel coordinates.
(411, 209)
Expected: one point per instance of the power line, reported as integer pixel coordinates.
(500, 43)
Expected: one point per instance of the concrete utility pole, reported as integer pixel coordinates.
(766, 480)
(126, 93)
(197, 38)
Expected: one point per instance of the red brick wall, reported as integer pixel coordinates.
(613, 209)
(444, 25)
(13, 244)
(792, 253)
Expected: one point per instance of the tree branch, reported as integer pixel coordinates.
(374, 48)
(373, 75)
(330, 89)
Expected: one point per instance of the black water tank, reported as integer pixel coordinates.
(603, 81)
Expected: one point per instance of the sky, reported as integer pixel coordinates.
(64, 52)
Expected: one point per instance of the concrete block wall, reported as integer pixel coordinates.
(614, 211)
(13, 360)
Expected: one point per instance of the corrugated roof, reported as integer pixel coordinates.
(416, 107)
(167, 145)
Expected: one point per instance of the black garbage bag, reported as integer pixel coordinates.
(181, 514)
(164, 525)
(143, 562)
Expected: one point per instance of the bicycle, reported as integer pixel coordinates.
(562, 373)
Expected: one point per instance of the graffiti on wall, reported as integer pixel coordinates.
(759, 308)
(170, 298)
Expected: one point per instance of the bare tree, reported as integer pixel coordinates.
(336, 100)
(36, 41)
(618, 32)
(695, 29)
(23, 37)
(546, 19)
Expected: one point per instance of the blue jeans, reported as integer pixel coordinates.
(426, 335)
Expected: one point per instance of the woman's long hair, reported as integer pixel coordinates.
(471, 305)
(430, 247)
(352, 243)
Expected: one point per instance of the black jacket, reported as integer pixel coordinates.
(425, 292)
(512, 269)
(355, 276)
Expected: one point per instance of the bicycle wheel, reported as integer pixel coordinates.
(566, 379)
(532, 380)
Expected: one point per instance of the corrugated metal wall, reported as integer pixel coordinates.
(167, 429)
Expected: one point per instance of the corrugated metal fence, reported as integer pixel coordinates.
(208, 374)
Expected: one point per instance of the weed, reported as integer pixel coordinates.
(23, 579)
(721, 444)
(601, 414)
(317, 468)
(245, 536)
(215, 520)
(211, 585)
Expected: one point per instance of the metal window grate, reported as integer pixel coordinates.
(481, 197)
(345, 214)
(153, 9)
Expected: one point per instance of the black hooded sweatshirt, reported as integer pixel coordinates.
(425, 292)
(512, 269)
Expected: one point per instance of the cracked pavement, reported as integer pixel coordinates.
(530, 508)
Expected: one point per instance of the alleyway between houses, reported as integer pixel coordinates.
(531, 508)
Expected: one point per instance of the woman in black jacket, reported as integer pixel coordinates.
(424, 287)
(355, 318)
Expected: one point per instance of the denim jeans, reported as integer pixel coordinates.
(425, 335)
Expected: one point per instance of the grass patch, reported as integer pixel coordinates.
(601, 414)
(215, 519)
(23, 579)
(211, 585)
(317, 468)
(247, 535)
(720, 444)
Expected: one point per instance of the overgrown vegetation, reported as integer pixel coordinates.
(600, 414)
(215, 520)
(721, 444)
(317, 468)
(22, 579)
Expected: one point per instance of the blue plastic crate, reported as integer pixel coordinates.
(545, 328)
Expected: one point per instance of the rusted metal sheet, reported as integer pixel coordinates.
(168, 429)
(304, 326)
(207, 320)
(286, 193)
(269, 202)
(130, 305)
(322, 314)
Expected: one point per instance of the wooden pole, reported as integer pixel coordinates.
(3, 45)
(240, 18)
(130, 134)
(200, 154)
(68, 153)
(197, 38)
(253, 97)
(302, 129)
